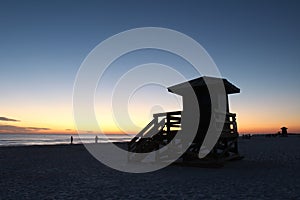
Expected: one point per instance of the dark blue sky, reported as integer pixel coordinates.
(255, 44)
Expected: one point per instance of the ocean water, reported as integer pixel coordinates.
(52, 139)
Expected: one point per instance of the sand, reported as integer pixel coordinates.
(270, 170)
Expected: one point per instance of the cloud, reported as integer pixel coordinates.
(38, 129)
(8, 119)
(20, 129)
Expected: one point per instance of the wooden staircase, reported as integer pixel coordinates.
(163, 128)
(158, 133)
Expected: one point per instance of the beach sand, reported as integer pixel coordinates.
(270, 170)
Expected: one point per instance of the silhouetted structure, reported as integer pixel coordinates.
(246, 136)
(163, 128)
(284, 131)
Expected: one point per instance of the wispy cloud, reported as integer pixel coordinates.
(8, 119)
(20, 129)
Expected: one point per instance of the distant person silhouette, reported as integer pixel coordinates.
(71, 139)
(96, 139)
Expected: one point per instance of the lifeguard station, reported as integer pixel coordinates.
(164, 126)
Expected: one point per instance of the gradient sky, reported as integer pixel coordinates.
(255, 44)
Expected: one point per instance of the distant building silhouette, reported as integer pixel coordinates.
(284, 131)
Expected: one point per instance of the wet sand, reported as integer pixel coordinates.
(270, 170)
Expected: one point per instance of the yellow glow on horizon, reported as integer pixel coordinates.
(266, 117)
(255, 118)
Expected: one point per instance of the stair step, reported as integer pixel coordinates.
(171, 124)
(175, 118)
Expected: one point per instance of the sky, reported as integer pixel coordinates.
(255, 44)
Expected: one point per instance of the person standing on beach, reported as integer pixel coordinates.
(96, 139)
(71, 139)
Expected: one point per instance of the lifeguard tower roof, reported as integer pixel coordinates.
(202, 82)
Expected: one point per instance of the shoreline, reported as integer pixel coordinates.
(47, 143)
(59, 145)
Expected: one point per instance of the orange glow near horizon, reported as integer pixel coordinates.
(242, 128)
(265, 116)
(64, 124)
(59, 119)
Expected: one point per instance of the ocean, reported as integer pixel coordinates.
(52, 139)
